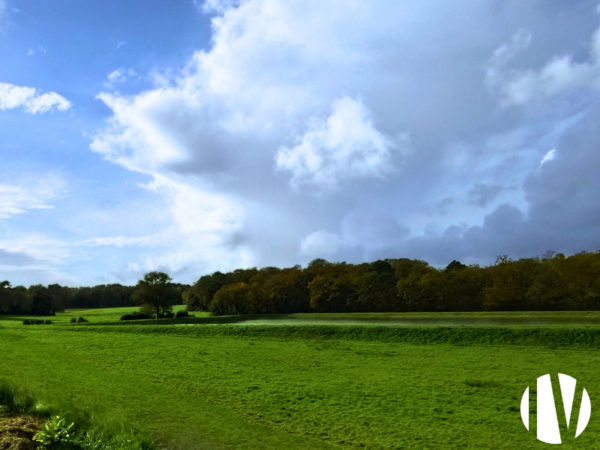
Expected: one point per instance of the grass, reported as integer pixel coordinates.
(379, 381)
(96, 315)
(17, 402)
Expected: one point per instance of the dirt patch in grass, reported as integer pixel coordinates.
(16, 432)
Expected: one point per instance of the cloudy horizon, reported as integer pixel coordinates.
(198, 136)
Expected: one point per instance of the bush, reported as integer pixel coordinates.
(136, 316)
(181, 314)
(78, 320)
(166, 315)
(36, 322)
(57, 433)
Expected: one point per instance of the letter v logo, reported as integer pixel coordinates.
(548, 429)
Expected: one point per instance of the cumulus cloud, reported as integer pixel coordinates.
(31, 100)
(294, 99)
(344, 147)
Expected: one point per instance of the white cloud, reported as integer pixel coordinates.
(118, 76)
(322, 95)
(32, 257)
(37, 246)
(549, 156)
(30, 99)
(344, 147)
(216, 6)
(495, 74)
(40, 49)
(123, 241)
(560, 74)
(28, 195)
(320, 244)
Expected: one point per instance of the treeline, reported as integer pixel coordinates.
(552, 282)
(48, 300)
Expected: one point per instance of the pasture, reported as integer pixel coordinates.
(415, 380)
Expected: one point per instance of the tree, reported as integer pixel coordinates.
(42, 301)
(199, 296)
(230, 299)
(5, 297)
(155, 291)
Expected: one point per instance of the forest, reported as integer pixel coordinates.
(550, 282)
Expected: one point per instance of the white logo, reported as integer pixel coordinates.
(548, 429)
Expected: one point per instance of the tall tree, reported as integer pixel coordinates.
(155, 291)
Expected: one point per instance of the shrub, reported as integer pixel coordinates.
(82, 320)
(181, 314)
(136, 316)
(56, 433)
(36, 322)
(73, 320)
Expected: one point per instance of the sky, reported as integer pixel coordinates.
(191, 136)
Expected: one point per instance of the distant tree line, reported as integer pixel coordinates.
(552, 282)
(47, 300)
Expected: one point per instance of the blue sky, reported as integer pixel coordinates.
(192, 136)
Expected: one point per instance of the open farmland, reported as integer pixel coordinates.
(307, 380)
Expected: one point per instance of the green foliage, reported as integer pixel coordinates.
(136, 316)
(231, 299)
(47, 300)
(36, 322)
(155, 291)
(552, 282)
(78, 320)
(57, 433)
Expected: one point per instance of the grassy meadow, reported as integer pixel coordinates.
(415, 380)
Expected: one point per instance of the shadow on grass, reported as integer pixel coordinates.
(197, 320)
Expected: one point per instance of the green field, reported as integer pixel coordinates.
(308, 380)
